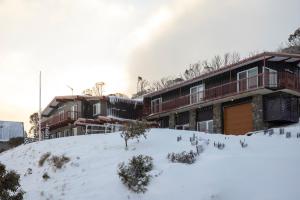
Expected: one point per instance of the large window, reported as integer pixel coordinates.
(196, 94)
(270, 76)
(205, 126)
(96, 109)
(247, 79)
(74, 110)
(61, 115)
(156, 105)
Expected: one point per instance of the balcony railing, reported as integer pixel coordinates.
(270, 80)
(60, 119)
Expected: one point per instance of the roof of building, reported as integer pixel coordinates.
(58, 99)
(271, 56)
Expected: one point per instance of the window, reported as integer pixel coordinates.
(156, 105)
(196, 94)
(205, 126)
(247, 79)
(74, 112)
(270, 76)
(61, 115)
(182, 127)
(96, 109)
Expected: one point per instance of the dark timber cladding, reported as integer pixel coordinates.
(255, 93)
(281, 107)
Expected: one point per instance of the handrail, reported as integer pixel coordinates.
(60, 118)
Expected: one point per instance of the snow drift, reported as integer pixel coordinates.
(268, 168)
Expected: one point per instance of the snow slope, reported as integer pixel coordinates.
(267, 169)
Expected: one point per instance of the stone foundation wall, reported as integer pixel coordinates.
(217, 118)
(172, 121)
(257, 112)
(192, 120)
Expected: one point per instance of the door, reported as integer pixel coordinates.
(238, 119)
(242, 81)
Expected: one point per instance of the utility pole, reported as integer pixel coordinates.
(72, 89)
(40, 106)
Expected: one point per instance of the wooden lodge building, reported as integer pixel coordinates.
(256, 93)
(72, 115)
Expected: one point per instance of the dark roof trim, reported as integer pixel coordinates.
(258, 57)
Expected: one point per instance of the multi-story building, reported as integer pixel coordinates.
(256, 93)
(73, 115)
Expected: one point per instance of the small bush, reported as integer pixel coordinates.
(9, 185)
(46, 176)
(183, 157)
(59, 162)
(43, 158)
(288, 135)
(219, 145)
(134, 130)
(135, 174)
(14, 142)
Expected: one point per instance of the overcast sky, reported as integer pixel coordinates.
(80, 42)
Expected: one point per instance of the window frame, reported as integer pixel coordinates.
(247, 79)
(271, 70)
(197, 95)
(154, 101)
(96, 109)
(206, 126)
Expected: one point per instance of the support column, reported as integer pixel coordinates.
(217, 118)
(192, 119)
(257, 112)
(172, 121)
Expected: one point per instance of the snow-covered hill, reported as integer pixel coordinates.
(267, 169)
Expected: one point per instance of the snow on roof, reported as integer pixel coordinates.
(114, 99)
(10, 130)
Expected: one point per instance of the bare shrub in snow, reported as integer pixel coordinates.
(59, 161)
(298, 135)
(134, 130)
(179, 138)
(243, 143)
(183, 157)
(14, 142)
(28, 172)
(219, 145)
(9, 185)
(43, 158)
(45, 176)
(135, 174)
(281, 131)
(199, 149)
(288, 135)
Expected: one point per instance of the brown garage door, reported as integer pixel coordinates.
(238, 119)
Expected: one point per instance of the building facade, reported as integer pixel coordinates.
(76, 115)
(256, 93)
(10, 129)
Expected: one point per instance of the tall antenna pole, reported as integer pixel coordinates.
(40, 106)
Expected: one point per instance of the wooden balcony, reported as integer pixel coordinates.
(60, 119)
(271, 81)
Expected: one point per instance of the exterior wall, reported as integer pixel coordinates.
(258, 115)
(217, 118)
(204, 114)
(182, 118)
(281, 107)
